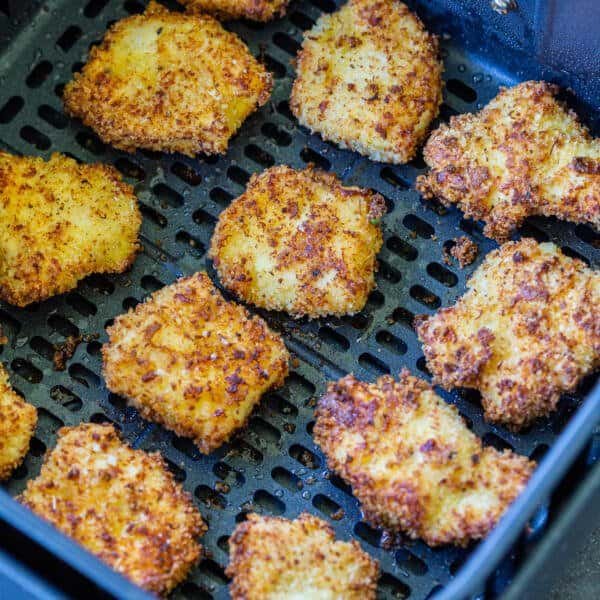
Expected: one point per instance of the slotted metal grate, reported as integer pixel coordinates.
(273, 467)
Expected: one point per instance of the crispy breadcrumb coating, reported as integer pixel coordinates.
(369, 79)
(123, 505)
(301, 242)
(411, 461)
(192, 361)
(463, 249)
(254, 10)
(168, 81)
(523, 154)
(527, 330)
(272, 558)
(61, 221)
(17, 425)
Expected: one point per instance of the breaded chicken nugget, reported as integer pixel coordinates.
(411, 461)
(17, 425)
(523, 154)
(301, 242)
(168, 81)
(123, 505)
(272, 558)
(527, 330)
(61, 221)
(192, 361)
(255, 10)
(369, 79)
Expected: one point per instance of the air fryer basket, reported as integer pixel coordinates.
(273, 467)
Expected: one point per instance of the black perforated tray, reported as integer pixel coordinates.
(273, 467)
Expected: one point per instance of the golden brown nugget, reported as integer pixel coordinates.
(254, 10)
(123, 505)
(192, 361)
(17, 425)
(61, 221)
(272, 558)
(168, 81)
(523, 154)
(412, 463)
(369, 79)
(527, 330)
(301, 242)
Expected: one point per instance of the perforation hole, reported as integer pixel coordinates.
(268, 504)
(460, 89)
(368, 534)
(334, 339)
(186, 174)
(53, 117)
(129, 303)
(286, 479)
(446, 111)
(100, 284)
(133, 7)
(192, 244)
(302, 21)
(309, 156)
(66, 398)
(373, 364)
(76, 67)
(539, 452)
(130, 169)
(393, 588)
(213, 571)
(245, 452)
(62, 325)
(401, 248)
(585, 234)
(441, 274)
(35, 138)
(420, 227)
(26, 370)
(11, 109)
(42, 347)
(47, 422)
(340, 484)
(413, 564)
(186, 446)
(376, 300)
(305, 457)
(94, 7)
(4, 8)
(327, 6)
(153, 215)
(425, 297)
(151, 284)
(389, 176)
(84, 376)
(273, 66)
(422, 366)
(167, 196)
(238, 175)
(90, 142)
(69, 38)
(388, 272)
(283, 108)
(210, 498)
(228, 474)
(530, 230)
(39, 74)
(277, 404)
(278, 135)
(221, 196)
(258, 155)
(286, 43)
(201, 217)
(391, 342)
(264, 431)
(328, 507)
(299, 386)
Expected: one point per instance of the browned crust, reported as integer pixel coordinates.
(61, 222)
(17, 426)
(123, 505)
(463, 249)
(369, 79)
(195, 84)
(523, 154)
(190, 360)
(301, 242)
(411, 461)
(272, 556)
(527, 330)
(254, 10)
